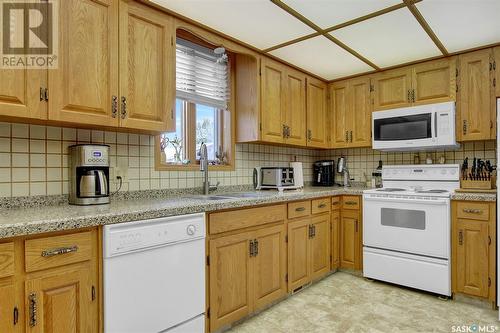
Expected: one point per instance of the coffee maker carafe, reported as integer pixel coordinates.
(89, 174)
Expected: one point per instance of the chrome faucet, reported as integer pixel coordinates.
(204, 168)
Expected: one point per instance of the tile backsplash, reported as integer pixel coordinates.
(34, 160)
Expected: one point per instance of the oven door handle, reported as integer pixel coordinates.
(439, 202)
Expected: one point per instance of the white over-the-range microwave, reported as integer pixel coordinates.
(424, 127)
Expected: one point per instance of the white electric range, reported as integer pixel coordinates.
(406, 227)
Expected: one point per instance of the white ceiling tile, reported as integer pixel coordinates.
(322, 57)
(327, 13)
(256, 22)
(390, 39)
(463, 24)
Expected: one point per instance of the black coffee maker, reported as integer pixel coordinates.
(324, 173)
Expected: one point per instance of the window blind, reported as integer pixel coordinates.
(200, 77)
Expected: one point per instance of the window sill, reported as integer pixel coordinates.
(192, 167)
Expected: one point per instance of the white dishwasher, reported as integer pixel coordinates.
(154, 275)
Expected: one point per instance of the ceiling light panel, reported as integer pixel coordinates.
(463, 24)
(322, 57)
(256, 22)
(390, 39)
(328, 13)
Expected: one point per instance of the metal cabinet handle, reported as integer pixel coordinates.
(351, 136)
(288, 131)
(465, 127)
(32, 309)
(460, 237)
(124, 107)
(409, 96)
(356, 225)
(58, 251)
(93, 293)
(413, 95)
(284, 131)
(114, 106)
(350, 203)
(251, 248)
(346, 136)
(16, 315)
(309, 231)
(309, 135)
(472, 211)
(322, 205)
(300, 209)
(256, 245)
(313, 231)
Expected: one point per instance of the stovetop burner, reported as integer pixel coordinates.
(432, 191)
(389, 189)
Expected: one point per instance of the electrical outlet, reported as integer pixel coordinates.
(121, 170)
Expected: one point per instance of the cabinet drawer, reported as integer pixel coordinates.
(299, 209)
(43, 253)
(335, 203)
(351, 202)
(244, 218)
(473, 210)
(6, 259)
(320, 206)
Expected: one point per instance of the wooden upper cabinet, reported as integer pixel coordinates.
(269, 266)
(81, 89)
(295, 108)
(20, 93)
(497, 70)
(472, 257)
(272, 100)
(434, 82)
(320, 246)
(317, 124)
(392, 89)
(339, 114)
(229, 266)
(474, 116)
(360, 113)
(61, 302)
(147, 68)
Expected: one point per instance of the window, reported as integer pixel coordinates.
(202, 107)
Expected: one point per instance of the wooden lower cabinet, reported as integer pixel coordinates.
(350, 239)
(335, 241)
(62, 302)
(247, 272)
(7, 307)
(308, 249)
(473, 249)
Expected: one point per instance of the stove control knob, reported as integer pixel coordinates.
(191, 230)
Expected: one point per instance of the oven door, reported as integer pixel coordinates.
(417, 226)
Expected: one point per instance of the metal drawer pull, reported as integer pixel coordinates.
(473, 211)
(321, 205)
(351, 203)
(300, 209)
(32, 309)
(61, 250)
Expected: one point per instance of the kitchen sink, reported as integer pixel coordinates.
(244, 195)
(209, 197)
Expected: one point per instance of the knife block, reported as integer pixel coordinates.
(479, 184)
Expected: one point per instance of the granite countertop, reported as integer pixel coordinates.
(40, 219)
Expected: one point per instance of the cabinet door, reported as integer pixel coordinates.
(335, 225)
(339, 117)
(320, 246)
(61, 303)
(269, 266)
(295, 110)
(472, 257)
(497, 71)
(20, 93)
(7, 305)
(317, 124)
(81, 88)
(147, 68)
(349, 240)
(434, 82)
(230, 279)
(392, 89)
(272, 100)
(474, 102)
(360, 113)
(298, 253)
